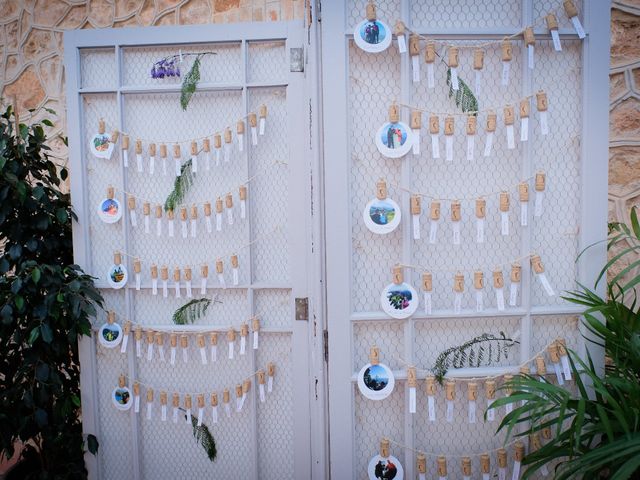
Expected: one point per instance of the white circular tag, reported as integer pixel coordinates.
(372, 36)
(376, 382)
(399, 301)
(381, 468)
(109, 210)
(382, 216)
(394, 140)
(117, 276)
(101, 145)
(121, 398)
(110, 335)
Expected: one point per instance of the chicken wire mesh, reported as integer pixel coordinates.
(260, 438)
(98, 68)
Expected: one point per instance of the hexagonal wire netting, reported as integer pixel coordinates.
(261, 436)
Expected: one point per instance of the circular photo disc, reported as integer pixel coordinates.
(110, 335)
(399, 301)
(372, 36)
(121, 398)
(117, 276)
(385, 468)
(382, 216)
(376, 382)
(109, 210)
(101, 145)
(394, 140)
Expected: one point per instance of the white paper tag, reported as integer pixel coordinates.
(457, 303)
(524, 214)
(185, 355)
(172, 356)
(433, 231)
(221, 280)
(218, 157)
(449, 148)
(136, 403)
(416, 226)
(402, 44)
(149, 410)
(511, 140)
(416, 141)
(183, 228)
(491, 413)
(524, 129)
(230, 216)
(139, 348)
(456, 232)
(269, 384)
(208, 224)
(218, 222)
(187, 419)
(537, 206)
(203, 355)
(412, 400)
(134, 218)
(256, 339)
(243, 345)
(174, 417)
(471, 147)
(427, 303)
(194, 163)
(171, 224)
(194, 228)
(165, 289)
(262, 393)
(149, 352)
(479, 301)
(161, 352)
(203, 285)
(557, 369)
(164, 167)
(200, 415)
(176, 165)
(566, 367)
(207, 162)
(515, 475)
(214, 414)
(486, 476)
(158, 227)
(449, 411)
(163, 413)
(262, 125)
(176, 288)
(577, 25)
(236, 276)
(472, 411)
(502, 473)
(431, 407)
(240, 142)
(513, 294)
(139, 163)
(545, 284)
(254, 136)
(544, 123)
(146, 224)
(488, 144)
(530, 56)
(415, 67)
(125, 158)
(504, 223)
(227, 409)
(455, 84)
(479, 230)
(506, 69)
(500, 298)
(431, 78)
(422, 476)
(138, 278)
(435, 146)
(125, 342)
(213, 353)
(478, 82)
(152, 165)
(227, 152)
(243, 209)
(555, 36)
(231, 350)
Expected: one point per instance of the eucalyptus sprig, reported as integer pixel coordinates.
(181, 186)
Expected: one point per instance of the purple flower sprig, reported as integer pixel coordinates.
(170, 66)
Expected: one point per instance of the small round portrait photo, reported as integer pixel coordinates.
(110, 335)
(382, 216)
(376, 382)
(399, 300)
(394, 140)
(117, 276)
(109, 210)
(372, 36)
(101, 145)
(381, 468)
(121, 398)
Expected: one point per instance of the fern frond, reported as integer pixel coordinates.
(190, 83)
(485, 349)
(181, 186)
(203, 437)
(191, 311)
(464, 97)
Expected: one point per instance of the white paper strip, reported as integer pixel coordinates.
(254, 136)
(506, 69)
(172, 355)
(433, 231)
(149, 352)
(194, 227)
(171, 224)
(435, 146)
(556, 40)
(218, 222)
(500, 298)
(524, 129)
(449, 148)
(125, 158)
(524, 214)
(227, 409)
(176, 166)
(207, 163)
(194, 163)
(471, 147)
(256, 339)
(243, 209)
(412, 400)
(163, 413)
(542, 278)
(236, 276)
(152, 165)
(230, 216)
(402, 44)
(537, 205)
(136, 403)
(176, 288)
(427, 303)
(139, 348)
(457, 302)
(513, 294)
(488, 144)
(200, 415)
(431, 407)
(185, 355)
(491, 413)
(203, 355)
(511, 140)
(416, 141)
(227, 152)
(515, 474)
(184, 229)
(544, 123)
(221, 280)
(530, 56)
(415, 67)
(479, 301)
(187, 419)
(213, 353)
(165, 288)
(138, 281)
(161, 353)
(203, 285)
(557, 369)
(125, 342)
(456, 232)
(486, 476)
(240, 142)
(449, 411)
(158, 227)
(502, 474)
(455, 84)
(479, 230)
(431, 78)
(231, 350)
(243, 345)
(566, 367)
(134, 219)
(478, 82)
(164, 167)
(214, 414)
(208, 224)
(174, 417)
(218, 157)
(504, 223)
(577, 25)
(146, 224)
(149, 410)
(262, 125)
(472, 411)
(269, 384)
(261, 393)
(139, 163)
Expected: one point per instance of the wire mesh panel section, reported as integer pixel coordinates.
(98, 68)
(267, 62)
(465, 14)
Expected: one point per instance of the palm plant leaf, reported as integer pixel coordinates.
(189, 83)
(191, 311)
(464, 97)
(204, 438)
(181, 186)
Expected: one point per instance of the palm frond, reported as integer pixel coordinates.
(190, 83)
(464, 97)
(191, 311)
(203, 437)
(181, 186)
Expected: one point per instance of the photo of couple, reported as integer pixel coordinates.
(394, 139)
(372, 36)
(373, 32)
(395, 136)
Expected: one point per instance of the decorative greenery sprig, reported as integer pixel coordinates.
(464, 97)
(192, 310)
(181, 186)
(484, 349)
(190, 83)
(203, 437)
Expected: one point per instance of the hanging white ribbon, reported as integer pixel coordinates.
(488, 144)
(435, 146)
(431, 407)
(479, 230)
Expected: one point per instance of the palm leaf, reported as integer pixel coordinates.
(464, 97)
(191, 311)
(181, 186)
(189, 83)
(203, 437)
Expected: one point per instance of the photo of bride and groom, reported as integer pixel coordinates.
(395, 136)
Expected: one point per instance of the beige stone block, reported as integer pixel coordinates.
(129, 22)
(147, 13)
(9, 9)
(38, 43)
(74, 18)
(635, 74)
(12, 68)
(124, 8)
(221, 6)
(617, 85)
(245, 14)
(273, 11)
(194, 12)
(101, 13)
(50, 75)
(625, 38)
(163, 5)
(48, 13)
(12, 32)
(624, 120)
(286, 9)
(624, 170)
(27, 89)
(168, 18)
(258, 14)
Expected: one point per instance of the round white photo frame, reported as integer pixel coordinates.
(376, 382)
(382, 216)
(122, 398)
(117, 276)
(378, 464)
(110, 335)
(399, 300)
(101, 145)
(372, 36)
(394, 140)
(110, 210)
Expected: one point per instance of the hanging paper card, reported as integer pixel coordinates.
(416, 209)
(504, 213)
(149, 403)
(139, 155)
(177, 161)
(146, 211)
(375, 380)
(523, 193)
(235, 270)
(472, 397)
(492, 120)
(176, 282)
(152, 158)
(509, 120)
(516, 277)
(137, 268)
(416, 125)
(525, 109)
(194, 156)
(538, 269)
(507, 54)
(244, 333)
(427, 287)
(434, 216)
(564, 358)
(434, 131)
(175, 402)
(471, 137)
(204, 275)
(227, 144)
(478, 285)
(240, 135)
(242, 193)
(159, 337)
(228, 202)
(554, 356)
(217, 145)
(456, 219)
(449, 128)
(372, 35)
(163, 156)
(193, 222)
(219, 214)
(231, 340)
(253, 124)
(481, 212)
(399, 299)
(271, 371)
(163, 406)
(184, 346)
(430, 58)
(490, 394)
(125, 151)
(385, 467)
(450, 393)
(117, 275)
(529, 41)
(206, 148)
(414, 53)
(121, 395)
(394, 139)
(540, 185)
(261, 381)
(136, 397)
(164, 276)
(100, 143)
(170, 223)
(458, 290)
(131, 202)
(187, 282)
(572, 12)
(430, 385)
(220, 273)
(454, 61)
(552, 25)
(213, 346)
(255, 327)
(442, 467)
(200, 403)
(110, 333)
(158, 220)
(498, 285)
(399, 30)
(109, 210)
(214, 407)
(542, 107)
(478, 64)
(125, 336)
(485, 466)
(137, 335)
(382, 215)
(187, 406)
(263, 119)
(517, 460)
(412, 383)
(183, 222)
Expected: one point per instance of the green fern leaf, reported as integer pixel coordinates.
(203, 437)
(464, 97)
(191, 311)
(190, 83)
(181, 186)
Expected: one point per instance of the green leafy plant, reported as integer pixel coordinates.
(181, 186)
(485, 349)
(191, 311)
(204, 438)
(596, 430)
(464, 96)
(46, 303)
(189, 83)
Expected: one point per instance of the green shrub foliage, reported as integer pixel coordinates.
(46, 303)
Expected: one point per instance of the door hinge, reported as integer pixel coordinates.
(296, 59)
(325, 337)
(302, 309)
(319, 10)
